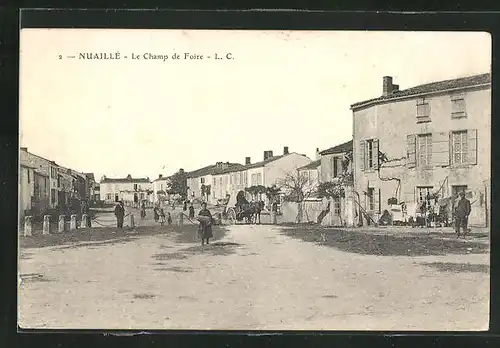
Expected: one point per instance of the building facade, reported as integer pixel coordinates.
(200, 182)
(160, 188)
(268, 172)
(430, 138)
(129, 189)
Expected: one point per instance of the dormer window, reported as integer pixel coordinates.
(423, 110)
(458, 106)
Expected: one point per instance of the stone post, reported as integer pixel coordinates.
(61, 224)
(349, 207)
(46, 224)
(83, 223)
(72, 223)
(132, 222)
(180, 219)
(28, 226)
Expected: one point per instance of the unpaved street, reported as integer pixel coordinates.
(254, 277)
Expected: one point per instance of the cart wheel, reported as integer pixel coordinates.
(231, 216)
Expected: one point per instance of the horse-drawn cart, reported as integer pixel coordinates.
(238, 209)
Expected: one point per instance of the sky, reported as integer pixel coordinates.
(150, 117)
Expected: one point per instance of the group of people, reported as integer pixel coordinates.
(204, 229)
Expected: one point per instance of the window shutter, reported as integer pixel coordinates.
(472, 145)
(440, 149)
(362, 159)
(376, 200)
(411, 156)
(375, 154)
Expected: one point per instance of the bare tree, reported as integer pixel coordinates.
(297, 187)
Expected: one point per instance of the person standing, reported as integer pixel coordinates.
(274, 213)
(191, 211)
(185, 206)
(143, 210)
(120, 214)
(462, 211)
(205, 228)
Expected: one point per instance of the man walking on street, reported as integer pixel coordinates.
(119, 213)
(462, 211)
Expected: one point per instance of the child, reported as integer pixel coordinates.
(169, 219)
(155, 212)
(162, 217)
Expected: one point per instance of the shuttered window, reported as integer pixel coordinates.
(335, 167)
(424, 150)
(458, 108)
(411, 150)
(459, 147)
(423, 110)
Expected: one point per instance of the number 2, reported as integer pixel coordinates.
(60, 57)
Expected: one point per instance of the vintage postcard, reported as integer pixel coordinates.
(254, 180)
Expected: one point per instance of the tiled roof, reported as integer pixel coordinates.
(166, 178)
(234, 168)
(338, 149)
(90, 176)
(210, 170)
(263, 163)
(458, 83)
(312, 165)
(125, 180)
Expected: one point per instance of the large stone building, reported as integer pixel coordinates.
(45, 185)
(429, 138)
(200, 181)
(129, 189)
(268, 172)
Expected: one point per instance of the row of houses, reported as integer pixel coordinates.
(433, 138)
(222, 179)
(44, 185)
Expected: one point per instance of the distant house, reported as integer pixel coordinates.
(268, 172)
(128, 189)
(203, 177)
(26, 188)
(160, 188)
(331, 161)
(312, 171)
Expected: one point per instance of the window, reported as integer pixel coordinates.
(231, 179)
(459, 147)
(213, 182)
(424, 150)
(422, 193)
(423, 110)
(369, 154)
(202, 180)
(336, 206)
(220, 181)
(142, 195)
(259, 179)
(53, 196)
(58, 181)
(108, 196)
(371, 199)
(29, 179)
(458, 106)
(335, 167)
(254, 179)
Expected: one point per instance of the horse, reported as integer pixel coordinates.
(256, 209)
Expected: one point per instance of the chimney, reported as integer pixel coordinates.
(265, 154)
(285, 150)
(318, 156)
(247, 160)
(160, 176)
(387, 85)
(395, 88)
(129, 176)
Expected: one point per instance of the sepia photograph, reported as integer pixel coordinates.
(254, 180)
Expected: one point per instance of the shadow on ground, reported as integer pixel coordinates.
(458, 267)
(112, 235)
(368, 243)
(216, 248)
